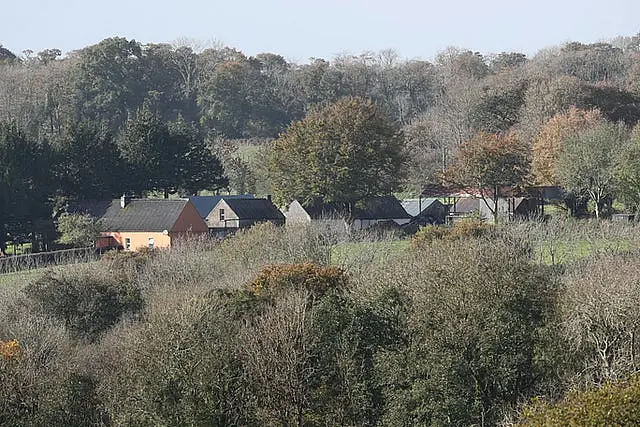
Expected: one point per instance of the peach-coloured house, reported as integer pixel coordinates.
(133, 224)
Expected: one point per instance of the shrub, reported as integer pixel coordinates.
(87, 302)
(466, 228)
(127, 263)
(471, 322)
(10, 349)
(316, 280)
(428, 234)
(614, 404)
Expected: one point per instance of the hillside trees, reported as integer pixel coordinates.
(237, 99)
(88, 162)
(109, 80)
(197, 167)
(548, 145)
(170, 76)
(627, 172)
(343, 152)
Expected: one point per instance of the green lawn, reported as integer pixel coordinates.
(568, 251)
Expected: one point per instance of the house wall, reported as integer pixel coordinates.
(189, 222)
(230, 218)
(140, 239)
(296, 214)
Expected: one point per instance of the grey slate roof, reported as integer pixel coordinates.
(415, 206)
(205, 204)
(254, 209)
(137, 215)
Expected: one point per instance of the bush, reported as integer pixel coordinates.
(316, 280)
(466, 228)
(87, 302)
(614, 404)
(471, 324)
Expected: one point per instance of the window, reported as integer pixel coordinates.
(151, 242)
(127, 243)
(221, 214)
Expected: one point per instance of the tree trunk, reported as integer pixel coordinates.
(596, 199)
(496, 194)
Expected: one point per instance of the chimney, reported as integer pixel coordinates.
(269, 197)
(124, 200)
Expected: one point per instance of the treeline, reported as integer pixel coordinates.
(269, 328)
(440, 104)
(237, 96)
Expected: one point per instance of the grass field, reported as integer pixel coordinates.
(21, 278)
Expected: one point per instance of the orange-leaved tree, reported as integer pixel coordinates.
(488, 163)
(547, 147)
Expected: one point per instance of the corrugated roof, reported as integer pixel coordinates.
(137, 215)
(415, 206)
(205, 204)
(257, 209)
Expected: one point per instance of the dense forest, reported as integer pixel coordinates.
(513, 323)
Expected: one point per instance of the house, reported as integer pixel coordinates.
(205, 204)
(463, 207)
(514, 201)
(231, 214)
(143, 223)
(352, 216)
(426, 210)
(510, 207)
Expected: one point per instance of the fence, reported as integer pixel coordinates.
(9, 264)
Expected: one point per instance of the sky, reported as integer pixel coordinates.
(302, 29)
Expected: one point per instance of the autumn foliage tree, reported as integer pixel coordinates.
(546, 148)
(486, 164)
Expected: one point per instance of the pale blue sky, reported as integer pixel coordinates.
(300, 29)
